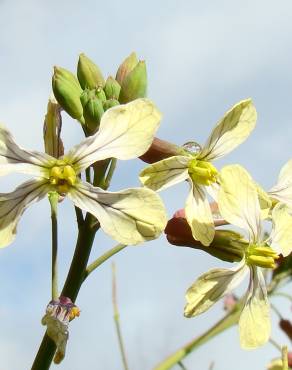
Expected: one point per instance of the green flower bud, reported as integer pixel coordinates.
(100, 94)
(67, 91)
(112, 88)
(89, 75)
(110, 103)
(126, 67)
(93, 111)
(134, 85)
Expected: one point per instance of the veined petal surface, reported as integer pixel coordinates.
(212, 286)
(12, 206)
(13, 158)
(199, 215)
(254, 322)
(165, 173)
(125, 132)
(281, 235)
(231, 131)
(282, 191)
(129, 216)
(238, 200)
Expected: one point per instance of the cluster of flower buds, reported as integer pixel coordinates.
(87, 96)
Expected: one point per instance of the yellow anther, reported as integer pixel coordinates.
(261, 255)
(62, 176)
(202, 172)
(75, 312)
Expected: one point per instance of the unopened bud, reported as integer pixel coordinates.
(286, 326)
(110, 103)
(112, 88)
(100, 94)
(89, 75)
(67, 92)
(134, 85)
(52, 129)
(93, 111)
(126, 67)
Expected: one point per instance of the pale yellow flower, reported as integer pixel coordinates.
(197, 169)
(239, 205)
(129, 216)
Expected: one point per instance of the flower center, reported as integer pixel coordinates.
(261, 255)
(63, 177)
(202, 172)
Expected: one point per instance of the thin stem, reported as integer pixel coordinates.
(275, 344)
(100, 260)
(285, 357)
(282, 294)
(117, 318)
(71, 288)
(181, 365)
(53, 198)
(110, 173)
(87, 175)
(226, 322)
(277, 312)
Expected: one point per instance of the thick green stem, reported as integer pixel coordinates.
(71, 288)
(229, 320)
(53, 198)
(100, 260)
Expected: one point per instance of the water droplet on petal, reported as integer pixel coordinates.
(192, 147)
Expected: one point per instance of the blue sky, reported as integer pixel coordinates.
(202, 57)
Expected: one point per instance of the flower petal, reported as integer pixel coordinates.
(254, 322)
(15, 159)
(238, 200)
(165, 173)
(199, 215)
(129, 216)
(231, 131)
(282, 191)
(281, 235)
(212, 286)
(125, 132)
(12, 206)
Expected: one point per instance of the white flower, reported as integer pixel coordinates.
(239, 205)
(282, 191)
(130, 216)
(231, 131)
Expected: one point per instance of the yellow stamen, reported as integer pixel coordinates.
(261, 255)
(202, 172)
(62, 176)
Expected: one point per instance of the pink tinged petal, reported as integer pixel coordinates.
(125, 132)
(212, 286)
(165, 173)
(199, 215)
(230, 131)
(129, 216)
(12, 206)
(13, 158)
(238, 200)
(254, 322)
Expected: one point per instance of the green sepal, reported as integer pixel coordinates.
(110, 103)
(126, 67)
(67, 91)
(88, 73)
(93, 111)
(112, 88)
(134, 85)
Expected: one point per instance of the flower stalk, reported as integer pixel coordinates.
(53, 199)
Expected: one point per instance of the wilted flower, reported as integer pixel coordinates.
(198, 170)
(130, 216)
(239, 205)
(58, 315)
